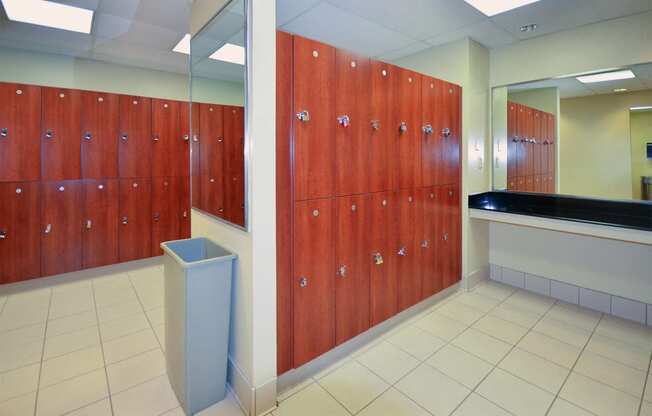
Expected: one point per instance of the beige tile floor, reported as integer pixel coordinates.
(96, 348)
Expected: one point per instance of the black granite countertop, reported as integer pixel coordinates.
(625, 214)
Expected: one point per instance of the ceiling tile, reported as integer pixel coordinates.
(122, 8)
(419, 19)
(134, 32)
(286, 10)
(486, 33)
(45, 39)
(213, 69)
(403, 52)
(353, 33)
(608, 87)
(610, 9)
(84, 4)
(125, 53)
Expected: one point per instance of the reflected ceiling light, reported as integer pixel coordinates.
(606, 76)
(50, 14)
(494, 7)
(184, 45)
(230, 53)
(642, 108)
(620, 90)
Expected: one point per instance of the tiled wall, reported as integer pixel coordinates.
(599, 301)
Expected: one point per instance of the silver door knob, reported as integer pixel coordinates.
(446, 132)
(425, 244)
(375, 124)
(445, 237)
(344, 120)
(3, 234)
(125, 220)
(186, 137)
(89, 224)
(4, 132)
(49, 133)
(402, 251)
(402, 128)
(303, 281)
(87, 136)
(303, 116)
(124, 137)
(427, 129)
(48, 228)
(156, 138)
(378, 259)
(341, 271)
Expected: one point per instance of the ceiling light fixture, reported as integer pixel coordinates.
(50, 14)
(620, 90)
(606, 76)
(494, 7)
(230, 53)
(642, 108)
(184, 45)
(529, 28)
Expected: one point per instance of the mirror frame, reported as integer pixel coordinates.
(247, 98)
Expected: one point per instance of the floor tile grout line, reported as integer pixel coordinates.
(40, 371)
(573, 367)
(106, 373)
(647, 380)
(151, 327)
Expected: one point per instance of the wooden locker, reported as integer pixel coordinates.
(529, 145)
(551, 146)
(529, 183)
(538, 184)
(166, 205)
(431, 146)
(211, 164)
(60, 127)
(352, 284)
(313, 285)
(451, 235)
(212, 195)
(407, 250)
(383, 170)
(100, 222)
(99, 132)
(167, 142)
(135, 219)
(408, 129)
(512, 183)
(449, 112)
(382, 258)
(520, 184)
(234, 164)
(537, 145)
(314, 124)
(352, 131)
(430, 243)
(283, 202)
(61, 227)
(522, 131)
(189, 127)
(20, 125)
(20, 245)
(184, 207)
(135, 141)
(513, 143)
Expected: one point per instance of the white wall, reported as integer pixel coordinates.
(499, 132)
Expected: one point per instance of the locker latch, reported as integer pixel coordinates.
(303, 281)
(402, 251)
(515, 139)
(49, 133)
(427, 129)
(48, 229)
(378, 259)
(195, 138)
(402, 128)
(125, 220)
(3, 234)
(157, 216)
(445, 237)
(303, 116)
(87, 136)
(155, 138)
(186, 137)
(89, 224)
(341, 271)
(4, 132)
(124, 137)
(185, 214)
(375, 124)
(425, 244)
(344, 120)
(446, 132)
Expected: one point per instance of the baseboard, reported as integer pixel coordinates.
(476, 277)
(296, 376)
(254, 401)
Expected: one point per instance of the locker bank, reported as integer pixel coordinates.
(325, 208)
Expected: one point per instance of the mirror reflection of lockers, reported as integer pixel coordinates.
(218, 116)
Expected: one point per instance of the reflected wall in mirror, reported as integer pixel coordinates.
(218, 75)
(584, 135)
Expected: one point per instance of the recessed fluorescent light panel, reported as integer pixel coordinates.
(50, 14)
(184, 45)
(642, 108)
(620, 90)
(494, 7)
(606, 76)
(230, 53)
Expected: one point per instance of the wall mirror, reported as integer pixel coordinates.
(218, 157)
(587, 135)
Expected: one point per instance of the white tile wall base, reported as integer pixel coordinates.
(592, 299)
(295, 377)
(253, 401)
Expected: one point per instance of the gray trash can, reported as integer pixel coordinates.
(198, 276)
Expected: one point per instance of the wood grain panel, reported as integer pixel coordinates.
(382, 241)
(135, 228)
(431, 243)
(20, 146)
(512, 141)
(383, 161)
(451, 235)
(189, 127)
(135, 144)
(165, 212)
(431, 150)
(234, 174)
(409, 141)
(100, 222)
(167, 142)
(451, 96)
(99, 132)
(407, 251)
(60, 127)
(184, 207)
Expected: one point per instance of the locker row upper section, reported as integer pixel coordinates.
(52, 133)
(361, 125)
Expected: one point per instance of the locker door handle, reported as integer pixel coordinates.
(375, 124)
(125, 220)
(303, 281)
(515, 139)
(425, 244)
(221, 210)
(427, 129)
(3, 234)
(402, 251)
(87, 136)
(445, 237)
(344, 120)
(157, 216)
(402, 128)
(186, 137)
(89, 224)
(446, 132)
(303, 116)
(124, 137)
(48, 229)
(341, 271)
(185, 214)
(49, 133)
(156, 138)
(4, 132)
(378, 259)
(220, 139)
(195, 138)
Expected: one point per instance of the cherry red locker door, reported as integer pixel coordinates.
(382, 257)
(234, 164)
(352, 287)
(313, 285)
(521, 128)
(135, 141)
(551, 145)
(20, 115)
(135, 219)
(100, 222)
(167, 143)
(184, 207)
(537, 144)
(409, 213)
(451, 235)
(383, 170)
(449, 110)
(408, 129)
(61, 227)
(352, 131)
(60, 127)
(512, 140)
(189, 128)
(20, 245)
(430, 146)
(430, 243)
(165, 212)
(211, 198)
(314, 124)
(99, 132)
(529, 145)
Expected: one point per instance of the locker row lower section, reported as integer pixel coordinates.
(53, 227)
(359, 260)
(535, 183)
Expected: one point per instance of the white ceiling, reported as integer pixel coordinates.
(570, 87)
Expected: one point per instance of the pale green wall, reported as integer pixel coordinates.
(499, 129)
(67, 72)
(543, 99)
(641, 134)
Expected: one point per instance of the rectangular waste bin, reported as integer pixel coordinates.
(198, 275)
